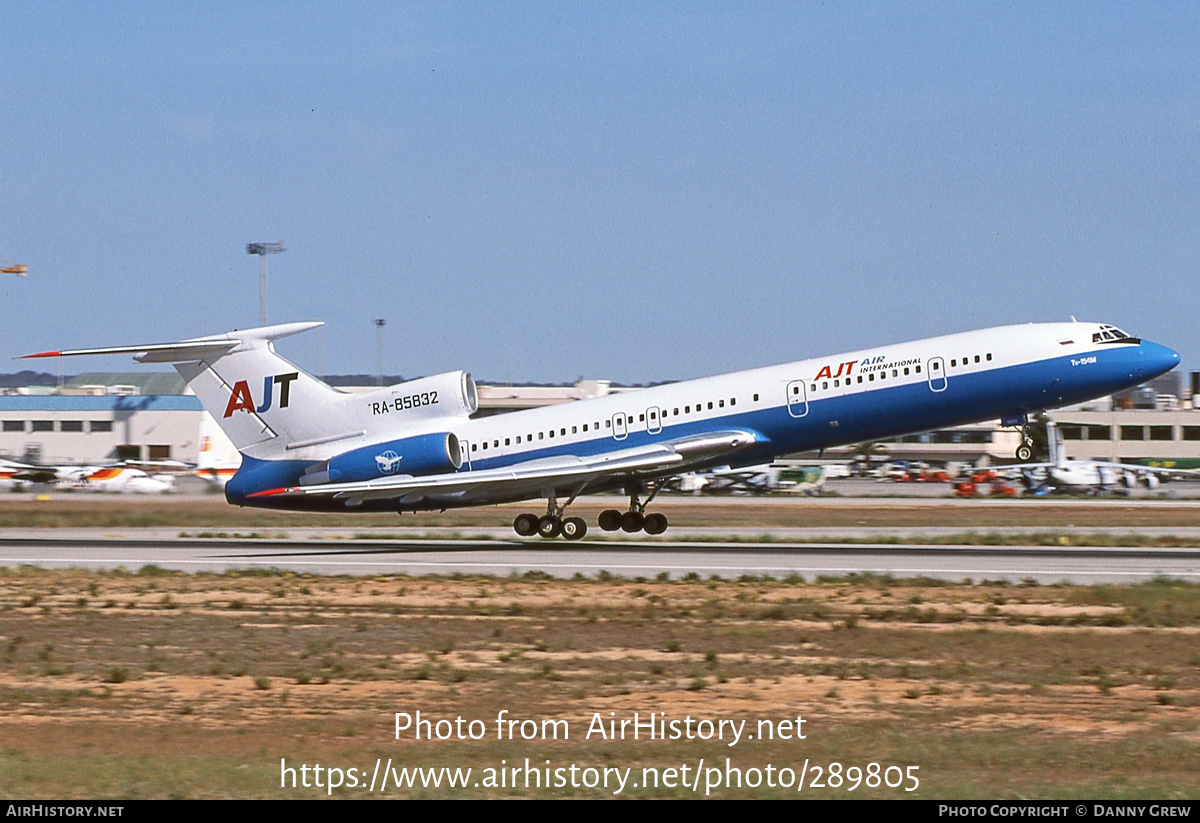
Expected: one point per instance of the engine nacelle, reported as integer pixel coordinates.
(422, 454)
(451, 394)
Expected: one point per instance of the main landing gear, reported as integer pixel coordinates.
(552, 524)
(636, 519)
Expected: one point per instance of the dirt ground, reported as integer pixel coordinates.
(165, 685)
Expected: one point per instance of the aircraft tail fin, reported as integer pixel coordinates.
(261, 400)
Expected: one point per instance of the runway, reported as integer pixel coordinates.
(627, 558)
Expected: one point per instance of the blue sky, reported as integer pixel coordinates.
(637, 191)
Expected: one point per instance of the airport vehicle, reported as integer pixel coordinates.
(414, 445)
(1061, 473)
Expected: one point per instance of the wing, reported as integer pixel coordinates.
(533, 477)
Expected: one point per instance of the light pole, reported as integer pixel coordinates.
(379, 322)
(262, 250)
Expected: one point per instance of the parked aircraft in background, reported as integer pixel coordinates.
(414, 446)
(118, 479)
(17, 475)
(1063, 474)
(122, 479)
(212, 468)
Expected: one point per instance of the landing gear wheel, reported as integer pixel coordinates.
(1025, 452)
(550, 527)
(655, 523)
(526, 525)
(609, 520)
(574, 528)
(632, 522)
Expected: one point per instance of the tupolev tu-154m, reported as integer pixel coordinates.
(414, 446)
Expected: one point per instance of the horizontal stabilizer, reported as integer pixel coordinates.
(185, 351)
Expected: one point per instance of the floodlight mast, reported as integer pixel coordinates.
(262, 250)
(379, 323)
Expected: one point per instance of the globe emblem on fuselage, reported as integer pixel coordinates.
(388, 462)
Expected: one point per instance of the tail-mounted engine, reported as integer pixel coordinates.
(421, 454)
(451, 394)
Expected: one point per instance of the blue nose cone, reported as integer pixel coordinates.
(1158, 359)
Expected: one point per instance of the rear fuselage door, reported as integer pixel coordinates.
(936, 367)
(619, 426)
(797, 398)
(653, 420)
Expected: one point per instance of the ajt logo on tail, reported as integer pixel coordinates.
(241, 400)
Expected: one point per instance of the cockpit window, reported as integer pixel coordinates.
(1111, 334)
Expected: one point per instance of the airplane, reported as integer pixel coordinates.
(308, 446)
(1061, 473)
(212, 467)
(89, 478)
(115, 479)
(16, 475)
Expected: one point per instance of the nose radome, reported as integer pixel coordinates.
(1159, 359)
